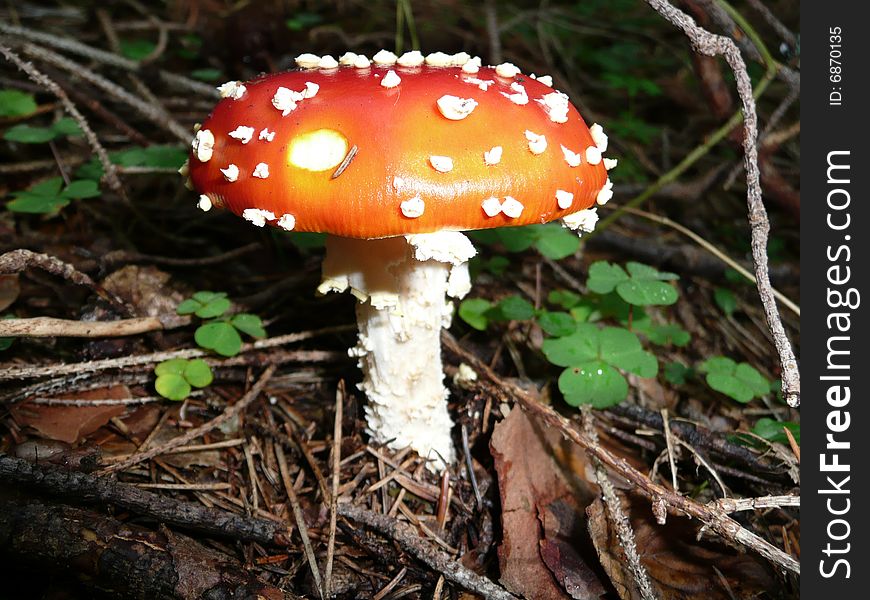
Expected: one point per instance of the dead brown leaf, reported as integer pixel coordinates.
(680, 566)
(562, 528)
(146, 289)
(71, 424)
(542, 508)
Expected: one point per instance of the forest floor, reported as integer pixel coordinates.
(676, 476)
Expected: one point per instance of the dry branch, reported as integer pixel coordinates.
(714, 519)
(51, 327)
(620, 521)
(711, 44)
(88, 488)
(405, 535)
(9, 372)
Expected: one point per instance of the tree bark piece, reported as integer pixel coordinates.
(88, 488)
(125, 560)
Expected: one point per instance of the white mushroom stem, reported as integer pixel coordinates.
(403, 285)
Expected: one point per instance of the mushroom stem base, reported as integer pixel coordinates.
(402, 307)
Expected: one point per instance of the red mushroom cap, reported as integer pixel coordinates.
(390, 150)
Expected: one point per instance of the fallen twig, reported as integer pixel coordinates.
(730, 505)
(299, 517)
(10, 372)
(155, 113)
(411, 542)
(69, 485)
(618, 518)
(51, 327)
(336, 479)
(126, 558)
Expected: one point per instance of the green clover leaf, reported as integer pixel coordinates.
(205, 305)
(593, 382)
(15, 103)
(593, 356)
(219, 336)
(176, 377)
(473, 311)
(198, 373)
(557, 323)
(773, 430)
(641, 285)
(741, 382)
(512, 308)
(172, 386)
(250, 324)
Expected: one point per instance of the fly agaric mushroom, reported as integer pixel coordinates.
(393, 158)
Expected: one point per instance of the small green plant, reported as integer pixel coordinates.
(49, 196)
(667, 334)
(15, 103)
(725, 300)
(28, 134)
(551, 240)
(676, 373)
(157, 156)
(774, 431)
(208, 74)
(593, 357)
(739, 381)
(302, 21)
(220, 332)
(176, 377)
(641, 285)
(479, 312)
(136, 49)
(189, 46)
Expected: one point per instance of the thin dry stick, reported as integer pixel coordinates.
(669, 442)
(791, 305)
(41, 79)
(119, 257)
(391, 585)
(617, 516)
(717, 521)
(405, 535)
(730, 505)
(7, 372)
(108, 58)
(98, 402)
(299, 517)
(704, 463)
(784, 32)
(16, 261)
(336, 473)
(709, 44)
(51, 327)
(154, 113)
(490, 8)
(191, 434)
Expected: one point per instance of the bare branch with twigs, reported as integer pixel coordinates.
(711, 44)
